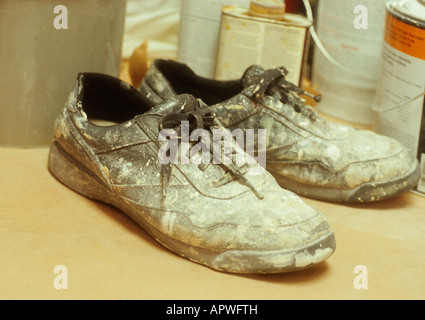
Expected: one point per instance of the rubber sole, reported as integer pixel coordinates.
(77, 177)
(367, 192)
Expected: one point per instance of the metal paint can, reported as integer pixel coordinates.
(399, 102)
(246, 39)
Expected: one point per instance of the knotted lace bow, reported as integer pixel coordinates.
(260, 82)
(194, 111)
(199, 116)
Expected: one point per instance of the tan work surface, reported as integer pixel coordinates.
(107, 256)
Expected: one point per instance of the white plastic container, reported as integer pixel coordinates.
(199, 33)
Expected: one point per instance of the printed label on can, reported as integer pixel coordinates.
(405, 37)
(246, 40)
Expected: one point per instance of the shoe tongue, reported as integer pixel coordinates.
(183, 102)
(252, 75)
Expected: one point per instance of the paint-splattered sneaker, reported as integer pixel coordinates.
(214, 213)
(305, 153)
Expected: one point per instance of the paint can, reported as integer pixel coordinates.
(248, 36)
(351, 32)
(400, 102)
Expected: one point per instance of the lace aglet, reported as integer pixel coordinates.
(317, 98)
(251, 186)
(256, 192)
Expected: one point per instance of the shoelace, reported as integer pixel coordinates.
(274, 79)
(193, 111)
(199, 116)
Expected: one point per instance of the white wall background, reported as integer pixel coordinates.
(155, 20)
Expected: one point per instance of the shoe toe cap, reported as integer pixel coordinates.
(250, 235)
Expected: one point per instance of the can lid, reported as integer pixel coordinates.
(413, 9)
(288, 19)
(272, 9)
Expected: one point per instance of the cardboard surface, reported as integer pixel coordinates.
(43, 224)
(107, 256)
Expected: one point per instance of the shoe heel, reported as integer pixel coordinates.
(74, 175)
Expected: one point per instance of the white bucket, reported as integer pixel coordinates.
(199, 32)
(351, 32)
